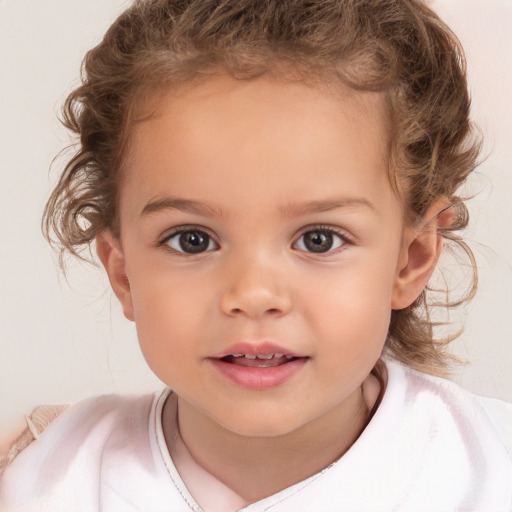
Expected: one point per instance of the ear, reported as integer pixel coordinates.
(421, 248)
(111, 254)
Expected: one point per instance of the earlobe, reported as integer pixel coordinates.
(111, 255)
(420, 253)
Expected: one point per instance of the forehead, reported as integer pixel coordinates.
(222, 100)
(286, 134)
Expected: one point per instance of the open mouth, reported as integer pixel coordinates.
(258, 361)
(258, 366)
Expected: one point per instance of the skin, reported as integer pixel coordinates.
(266, 162)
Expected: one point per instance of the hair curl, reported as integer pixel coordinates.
(399, 47)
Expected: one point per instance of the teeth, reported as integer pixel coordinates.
(262, 356)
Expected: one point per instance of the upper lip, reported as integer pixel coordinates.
(255, 349)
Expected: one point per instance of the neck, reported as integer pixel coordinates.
(257, 467)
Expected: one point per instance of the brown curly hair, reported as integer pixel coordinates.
(399, 47)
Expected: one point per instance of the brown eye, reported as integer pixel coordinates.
(191, 242)
(319, 241)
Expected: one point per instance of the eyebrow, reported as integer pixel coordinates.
(290, 211)
(296, 210)
(186, 205)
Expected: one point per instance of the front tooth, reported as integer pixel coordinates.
(237, 355)
(250, 356)
(266, 356)
(277, 356)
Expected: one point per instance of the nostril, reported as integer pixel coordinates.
(270, 311)
(254, 301)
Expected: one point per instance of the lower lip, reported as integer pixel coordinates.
(259, 378)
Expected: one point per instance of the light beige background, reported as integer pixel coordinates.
(60, 342)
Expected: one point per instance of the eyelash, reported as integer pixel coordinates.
(344, 239)
(341, 234)
(164, 243)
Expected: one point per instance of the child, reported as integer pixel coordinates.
(268, 185)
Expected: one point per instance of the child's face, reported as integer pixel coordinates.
(257, 217)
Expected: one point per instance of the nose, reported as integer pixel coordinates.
(255, 290)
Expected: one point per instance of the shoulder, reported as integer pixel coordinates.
(456, 399)
(96, 419)
(90, 417)
(25, 432)
(75, 449)
(465, 438)
(500, 415)
(446, 398)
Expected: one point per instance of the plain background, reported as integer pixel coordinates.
(61, 340)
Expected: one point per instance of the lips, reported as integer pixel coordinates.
(259, 361)
(258, 366)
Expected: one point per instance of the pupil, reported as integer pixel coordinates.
(194, 242)
(318, 241)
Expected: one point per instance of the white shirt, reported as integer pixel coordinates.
(431, 446)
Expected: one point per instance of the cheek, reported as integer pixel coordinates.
(363, 283)
(354, 304)
(167, 310)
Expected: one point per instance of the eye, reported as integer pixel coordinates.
(190, 241)
(319, 241)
